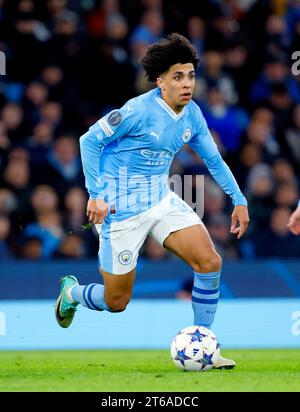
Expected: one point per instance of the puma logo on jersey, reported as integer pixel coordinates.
(157, 135)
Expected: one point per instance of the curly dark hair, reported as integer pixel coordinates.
(173, 49)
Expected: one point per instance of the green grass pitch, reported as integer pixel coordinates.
(145, 370)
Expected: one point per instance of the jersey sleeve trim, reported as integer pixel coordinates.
(105, 127)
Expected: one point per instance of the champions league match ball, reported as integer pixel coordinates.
(195, 348)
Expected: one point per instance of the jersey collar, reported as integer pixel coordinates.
(168, 109)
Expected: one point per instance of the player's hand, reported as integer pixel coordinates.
(239, 216)
(294, 222)
(96, 210)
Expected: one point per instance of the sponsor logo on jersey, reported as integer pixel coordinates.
(105, 127)
(125, 257)
(114, 118)
(156, 155)
(157, 158)
(187, 135)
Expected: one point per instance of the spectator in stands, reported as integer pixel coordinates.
(71, 247)
(44, 199)
(147, 32)
(286, 195)
(48, 228)
(277, 37)
(276, 71)
(30, 248)
(290, 139)
(237, 67)
(36, 94)
(5, 142)
(75, 219)
(250, 155)
(281, 103)
(263, 114)
(101, 17)
(196, 32)
(259, 190)
(75, 205)
(214, 199)
(283, 172)
(223, 29)
(277, 240)
(225, 120)
(63, 168)
(218, 227)
(52, 113)
(5, 228)
(213, 75)
(8, 201)
(16, 177)
(53, 77)
(39, 144)
(12, 119)
(261, 134)
(26, 33)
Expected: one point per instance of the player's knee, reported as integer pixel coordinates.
(211, 263)
(117, 304)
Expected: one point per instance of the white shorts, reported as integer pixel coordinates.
(120, 242)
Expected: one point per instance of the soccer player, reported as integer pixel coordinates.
(126, 157)
(294, 221)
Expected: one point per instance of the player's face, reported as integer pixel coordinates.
(177, 85)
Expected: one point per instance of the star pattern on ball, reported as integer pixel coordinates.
(181, 356)
(206, 360)
(196, 336)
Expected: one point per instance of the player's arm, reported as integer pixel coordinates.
(294, 221)
(112, 126)
(203, 144)
(90, 150)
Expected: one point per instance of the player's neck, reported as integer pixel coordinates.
(172, 105)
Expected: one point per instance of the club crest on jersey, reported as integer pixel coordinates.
(187, 135)
(114, 118)
(125, 257)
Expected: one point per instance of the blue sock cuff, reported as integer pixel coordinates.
(205, 296)
(206, 281)
(208, 276)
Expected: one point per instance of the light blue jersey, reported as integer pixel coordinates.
(127, 154)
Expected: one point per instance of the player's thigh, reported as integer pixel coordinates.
(194, 245)
(118, 287)
(120, 243)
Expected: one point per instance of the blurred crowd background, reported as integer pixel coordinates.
(70, 62)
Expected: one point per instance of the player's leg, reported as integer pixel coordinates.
(118, 290)
(113, 296)
(193, 244)
(119, 247)
(181, 231)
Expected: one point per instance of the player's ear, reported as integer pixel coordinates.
(160, 83)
